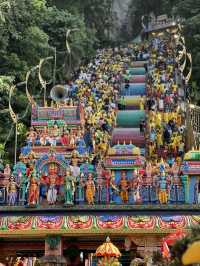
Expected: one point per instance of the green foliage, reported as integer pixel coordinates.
(97, 15)
(178, 249)
(5, 83)
(29, 31)
(190, 11)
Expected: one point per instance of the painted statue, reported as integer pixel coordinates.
(75, 169)
(69, 188)
(81, 146)
(124, 186)
(149, 169)
(90, 189)
(149, 189)
(87, 167)
(80, 191)
(23, 187)
(163, 195)
(161, 166)
(33, 191)
(7, 171)
(113, 188)
(31, 136)
(52, 182)
(12, 191)
(177, 190)
(175, 169)
(137, 184)
(43, 185)
(106, 174)
(99, 183)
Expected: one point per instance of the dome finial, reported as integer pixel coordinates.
(107, 239)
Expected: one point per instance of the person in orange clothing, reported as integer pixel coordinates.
(90, 189)
(162, 195)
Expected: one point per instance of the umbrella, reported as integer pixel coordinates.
(192, 254)
(107, 249)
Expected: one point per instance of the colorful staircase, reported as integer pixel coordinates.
(131, 115)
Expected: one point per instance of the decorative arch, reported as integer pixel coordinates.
(43, 163)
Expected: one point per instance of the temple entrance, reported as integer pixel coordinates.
(21, 252)
(78, 251)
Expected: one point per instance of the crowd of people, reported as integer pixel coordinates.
(97, 90)
(166, 114)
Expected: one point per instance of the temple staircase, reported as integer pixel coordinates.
(131, 115)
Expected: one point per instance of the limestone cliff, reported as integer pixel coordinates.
(120, 10)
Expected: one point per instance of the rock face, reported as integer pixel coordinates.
(120, 10)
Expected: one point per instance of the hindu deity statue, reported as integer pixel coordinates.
(12, 191)
(99, 182)
(124, 186)
(113, 188)
(162, 194)
(161, 166)
(52, 189)
(69, 188)
(74, 160)
(7, 171)
(31, 158)
(23, 187)
(33, 190)
(149, 189)
(75, 169)
(106, 174)
(72, 139)
(175, 168)
(90, 189)
(177, 191)
(80, 190)
(31, 136)
(80, 145)
(136, 185)
(149, 169)
(87, 167)
(43, 185)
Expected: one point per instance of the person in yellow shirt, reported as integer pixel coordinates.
(158, 119)
(151, 149)
(174, 88)
(162, 88)
(159, 139)
(179, 119)
(166, 117)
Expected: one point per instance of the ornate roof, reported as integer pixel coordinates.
(124, 149)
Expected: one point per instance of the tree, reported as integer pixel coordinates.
(190, 11)
(29, 31)
(97, 15)
(178, 249)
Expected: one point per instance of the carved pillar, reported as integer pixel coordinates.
(53, 252)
